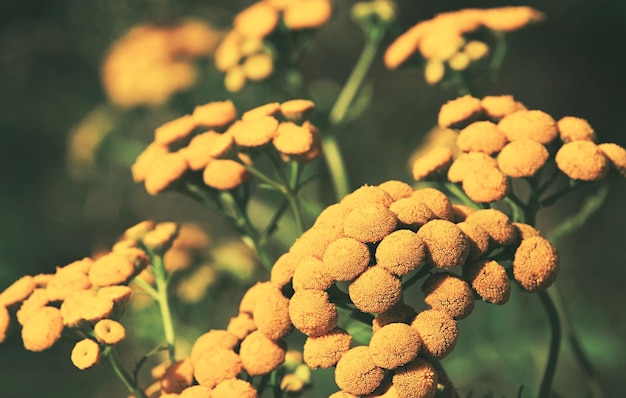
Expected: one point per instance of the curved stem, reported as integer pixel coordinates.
(462, 196)
(336, 166)
(555, 344)
(160, 276)
(128, 381)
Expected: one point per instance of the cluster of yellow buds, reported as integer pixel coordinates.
(220, 154)
(440, 39)
(246, 53)
(150, 63)
(501, 139)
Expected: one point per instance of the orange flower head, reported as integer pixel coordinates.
(416, 379)
(525, 231)
(325, 351)
(297, 110)
(38, 299)
(284, 268)
(574, 128)
(138, 230)
(271, 314)
(481, 136)
(396, 189)
(165, 171)
(529, 124)
(224, 174)
(616, 155)
(506, 19)
(477, 237)
(17, 291)
(405, 45)
(315, 241)
(496, 223)
(332, 216)
(214, 114)
(311, 274)
(367, 194)
(235, 79)
(229, 53)
(522, 158)
(253, 295)
(356, 372)
(342, 394)
(486, 185)
(42, 329)
(212, 340)
(582, 160)
(161, 238)
(436, 200)
(255, 132)
(468, 163)
(233, 388)
(270, 109)
(369, 223)
(307, 14)
(259, 66)
(536, 264)
(241, 325)
(111, 269)
(216, 365)
(143, 164)
(438, 332)
(400, 252)
(459, 111)
(177, 377)
(312, 313)
(258, 20)
(85, 354)
(446, 244)
(69, 279)
(109, 332)
(449, 293)
(345, 259)
(175, 130)
(194, 37)
(5, 319)
(434, 71)
(398, 313)
(475, 49)
(291, 139)
(436, 160)
(261, 355)
(90, 307)
(375, 290)
(498, 106)
(195, 391)
(411, 212)
(489, 280)
(394, 345)
(459, 61)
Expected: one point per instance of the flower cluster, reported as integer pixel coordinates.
(440, 40)
(150, 63)
(212, 145)
(247, 52)
(501, 139)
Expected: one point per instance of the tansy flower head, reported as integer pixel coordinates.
(400, 252)
(258, 20)
(69, 279)
(253, 295)
(195, 391)
(291, 139)
(325, 351)
(467, 163)
(498, 106)
(489, 280)
(446, 245)
(449, 293)
(367, 194)
(212, 340)
(260, 355)
(164, 171)
(396, 189)
(485, 185)
(312, 313)
(400, 312)
(109, 332)
(458, 111)
(284, 268)
(311, 274)
(574, 128)
(416, 379)
(375, 290)
(39, 298)
(224, 174)
(356, 372)
(42, 329)
(496, 223)
(536, 264)
(85, 354)
(477, 238)
(5, 319)
(394, 345)
(161, 238)
(234, 388)
(522, 158)
(525, 231)
(369, 223)
(269, 109)
(177, 377)
(255, 132)
(241, 325)
(438, 332)
(345, 259)
(616, 155)
(411, 212)
(297, 110)
(582, 160)
(111, 269)
(214, 114)
(271, 314)
(85, 305)
(17, 291)
(306, 14)
(215, 366)
(481, 136)
(174, 130)
(436, 160)
(332, 216)
(529, 124)
(436, 200)
(314, 241)
(506, 19)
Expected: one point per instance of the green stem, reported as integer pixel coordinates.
(555, 344)
(147, 288)
(128, 381)
(336, 166)
(462, 196)
(160, 276)
(499, 54)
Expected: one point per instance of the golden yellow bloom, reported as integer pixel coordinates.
(437, 159)
(224, 174)
(398, 313)
(582, 160)
(85, 305)
(438, 332)
(616, 155)
(416, 379)
(375, 290)
(315, 241)
(85, 354)
(284, 268)
(394, 345)
(459, 61)
(342, 394)
(269, 109)
(457, 111)
(468, 163)
(449, 293)
(177, 377)
(143, 163)
(260, 355)
(312, 313)
(69, 279)
(174, 130)
(536, 264)
(5, 319)
(405, 45)
(212, 340)
(39, 298)
(489, 280)
(252, 296)
(111, 269)
(234, 388)
(297, 110)
(292, 139)
(400, 252)
(356, 372)
(42, 329)
(477, 238)
(475, 49)
(411, 212)
(332, 216)
(325, 351)
(291, 383)
(306, 14)
(17, 291)
(530, 124)
(481, 136)
(258, 66)
(271, 314)
(496, 223)
(311, 274)
(214, 114)
(258, 20)
(109, 332)
(241, 325)
(367, 194)
(434, 71)
(396, 189)
(525, 231)
(195, 391)
(164, 171)
(446, 245)
(255, 132)
(216, 365)
(498, 106)
(436, 200)
(369, 223)
(507, 19)
(486, 185)
(345, 259)
(522, 158)
(235, 79)
(42, 280)
(574, 128)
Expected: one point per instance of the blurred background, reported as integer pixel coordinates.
(56, 209)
